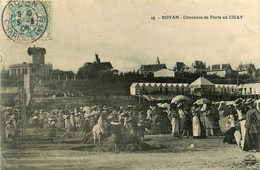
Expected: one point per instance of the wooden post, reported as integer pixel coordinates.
(2, 122)
(139, 96)
(23, 114)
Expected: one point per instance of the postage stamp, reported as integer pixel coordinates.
(27, 21)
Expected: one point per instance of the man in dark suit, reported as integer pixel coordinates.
(252, 139)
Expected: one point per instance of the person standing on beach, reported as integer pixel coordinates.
(252, 137)
(241, 113)
(174, 119)
(195, 111)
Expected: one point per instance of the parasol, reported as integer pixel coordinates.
(202, 101)
(180, 98)
(164, 105)
(257, 101)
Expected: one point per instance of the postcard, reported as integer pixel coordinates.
(130, 84)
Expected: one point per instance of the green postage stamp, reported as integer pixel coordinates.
(27, 21)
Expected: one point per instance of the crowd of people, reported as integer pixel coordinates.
(244, 121)
(197, 120)
(180, 118)
(11, 122)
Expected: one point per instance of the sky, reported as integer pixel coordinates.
(122, 32)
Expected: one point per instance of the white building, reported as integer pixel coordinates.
(159, 88)
(246, 90)
(164, 73)
(226, 89)
(249, 89)
(222, 70)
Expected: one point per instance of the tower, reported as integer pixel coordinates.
(38, 55)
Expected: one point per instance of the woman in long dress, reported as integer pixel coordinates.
(182, 118)
(187, 126)
(207, 112)
(230, 133)
(195, 111)
(174, 120)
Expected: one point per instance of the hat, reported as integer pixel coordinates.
(238, 102)
(65, 116)
(140, 124)
(249, 101)
(87, 109)
(115, 123)
(51, 119)
(86, 115)
(124, 114)
(8, 108)
(110, 117)
(230, 103)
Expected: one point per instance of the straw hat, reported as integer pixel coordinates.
(249, 101)
(238, 102)
(230, 103)
(115, 123)
(110, 117)
(65, 116)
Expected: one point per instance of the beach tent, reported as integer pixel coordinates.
(202, 83)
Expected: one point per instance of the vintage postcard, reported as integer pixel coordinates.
(130, 84)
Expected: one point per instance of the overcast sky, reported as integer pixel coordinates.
(122, 32)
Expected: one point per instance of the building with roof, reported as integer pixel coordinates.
(224, 89)
(197, 67)
(99, 64)
(29, 68)
(221, 70)
(164, 73)
(180, 67)
(151, 68)
(159, 88)
(96, 69)
(201, 87)
(249, 89)
(36, 68)
(247, 69)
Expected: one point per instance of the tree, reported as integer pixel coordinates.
(95, 70)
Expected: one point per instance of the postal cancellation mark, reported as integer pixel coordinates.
(26, 21)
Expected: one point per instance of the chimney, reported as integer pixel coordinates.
(97, 58)
(158, 60)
